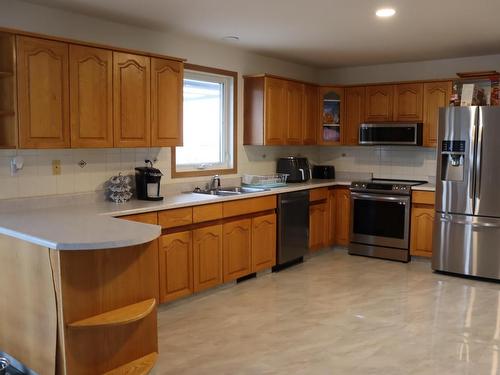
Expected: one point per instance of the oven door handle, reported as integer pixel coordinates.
(379, 197)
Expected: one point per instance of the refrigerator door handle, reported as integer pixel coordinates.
(479, 156)
(447, 218)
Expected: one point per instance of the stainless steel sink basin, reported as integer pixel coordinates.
(233, 190)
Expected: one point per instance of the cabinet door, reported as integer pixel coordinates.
(237, 254)
(422, 221)
(436, 95)
(275, 111)
(166, 102)
(332, 216)
(332, 115)
(207, 254)
(263, 242)
(343, 217)
(131, 82)
(91, 96)
(318, 225)
(310, 113)
(354, 114)
(43, 93)
(294, 100)
(176, 262)
(408, 99)
(379, 103)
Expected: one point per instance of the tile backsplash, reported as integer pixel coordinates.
(98, 165)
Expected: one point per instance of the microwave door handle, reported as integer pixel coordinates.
(302, 173)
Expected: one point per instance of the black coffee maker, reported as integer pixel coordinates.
(147, 182)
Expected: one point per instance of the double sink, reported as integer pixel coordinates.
(228, 191)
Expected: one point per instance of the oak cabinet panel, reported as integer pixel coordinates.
(422, 222)
(343, 216)
(318, 225)
(166, 102)
(408, 99)
(332, 115)
(207, 254)
(176, 266)
(332, 215)
(132, 97)
(263, 242)
(436, 95)
(91, 96)
(275, 111)
(310, 112)
(354, 114)
(237, 251)
(43, 93)
(379, 103)
(294, 102)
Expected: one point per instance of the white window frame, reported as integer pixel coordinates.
(228, 134)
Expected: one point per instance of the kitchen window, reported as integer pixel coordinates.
(209, 130)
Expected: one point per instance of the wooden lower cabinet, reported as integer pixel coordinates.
(341, 216)
(207, 256)
(263, 242)
(422, 222)
(176, 266)
(237, 250)
(318, 225)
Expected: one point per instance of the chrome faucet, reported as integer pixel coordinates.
(215, 180)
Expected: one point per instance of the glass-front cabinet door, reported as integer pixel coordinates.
(332, 115)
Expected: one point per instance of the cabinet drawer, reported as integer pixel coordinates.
(423, 197)
(147, 218)
(175, 218)
(318, 194)
(207, 212)
(249, 206)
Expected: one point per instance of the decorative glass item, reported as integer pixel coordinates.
(119, 188)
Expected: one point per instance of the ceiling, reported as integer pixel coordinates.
(320, 33)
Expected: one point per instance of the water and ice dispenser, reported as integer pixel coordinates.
(452, 159)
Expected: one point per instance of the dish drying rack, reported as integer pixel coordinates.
(264, 181)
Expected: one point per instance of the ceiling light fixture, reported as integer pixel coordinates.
(385, 12)
(231, 38)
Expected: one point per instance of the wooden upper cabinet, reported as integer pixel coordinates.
(310, 113)
(408, 99)
(276, 114)
(43, 93)
(436, 95)
(294, 102)
(263, 242)
(166, 102)
(332, 115)
(131, 81)
(91, 96)
(354, 114)
(379, 103)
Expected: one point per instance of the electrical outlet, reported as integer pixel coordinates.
(56, 167)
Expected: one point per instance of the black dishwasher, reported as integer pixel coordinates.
(293, 228)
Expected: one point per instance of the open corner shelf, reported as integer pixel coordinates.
(139, 366)
(118, 317)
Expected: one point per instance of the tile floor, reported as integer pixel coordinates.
(336, 314)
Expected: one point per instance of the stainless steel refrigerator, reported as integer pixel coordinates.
(467, 221)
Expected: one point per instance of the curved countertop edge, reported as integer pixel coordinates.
(425, 187)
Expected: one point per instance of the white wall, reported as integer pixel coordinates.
(420, 70)
(37, 179)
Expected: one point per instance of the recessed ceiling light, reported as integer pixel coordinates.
(385, 12)
(231, 38)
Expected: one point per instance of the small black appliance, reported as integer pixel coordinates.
(147, 182)
(323, 172)
(298, 169)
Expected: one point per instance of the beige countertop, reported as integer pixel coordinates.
(92, 225)
(425, 187)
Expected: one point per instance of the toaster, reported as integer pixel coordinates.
(323, 171)
(297, 169)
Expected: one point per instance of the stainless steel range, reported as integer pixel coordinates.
(380, 218)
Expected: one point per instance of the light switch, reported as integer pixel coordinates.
(56, 167)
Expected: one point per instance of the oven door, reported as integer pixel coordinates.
(380, 220)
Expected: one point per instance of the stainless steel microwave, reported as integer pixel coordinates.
(391, 134)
